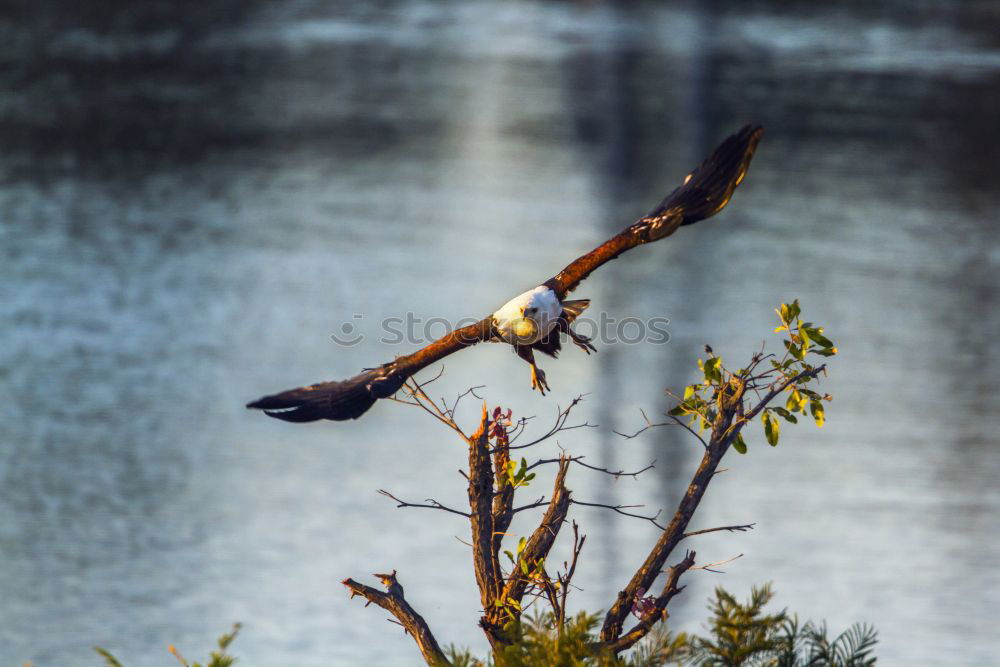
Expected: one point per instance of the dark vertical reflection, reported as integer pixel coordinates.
(601, 105)
(634, 156)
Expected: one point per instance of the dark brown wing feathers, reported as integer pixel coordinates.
(704, 193)
(349, 399)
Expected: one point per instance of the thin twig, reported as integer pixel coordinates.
(433, 504)
(538, 503)
(471, 390)
(566, 579)
(562, 417)
(415, 389)
(620, 509)
(708, 566)
(579, 461)
(732, 529)
(650, 425)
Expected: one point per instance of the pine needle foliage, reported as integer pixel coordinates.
(743, 635)
(741, 632)
(538, 644)
(810, 646)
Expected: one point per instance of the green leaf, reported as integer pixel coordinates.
(788, 416)
(521, 543)
(805, 338)
(678, 411)
(796, 402)
(739, 445)
(817, 335)
(818, 413)
(509, 555)
(712, 372)
(772, 428)
(689, 391)
(794, 310)
(794, 350)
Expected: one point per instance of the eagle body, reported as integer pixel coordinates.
(537, 319)
(528, 317)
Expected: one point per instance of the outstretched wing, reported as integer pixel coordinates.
(349, 399)
(705, 192)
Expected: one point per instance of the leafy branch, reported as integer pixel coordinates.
(716, 411)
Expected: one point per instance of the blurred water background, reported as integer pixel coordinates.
(194, 197)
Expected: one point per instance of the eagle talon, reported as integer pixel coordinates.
(538, 380)
(582, 342)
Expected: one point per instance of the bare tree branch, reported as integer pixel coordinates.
(503, 498)
(450, 412)
(620, 509)
(708, 566)
(729, 398)
(543, 537)
(729, 420)
(566, 578)
(538, 503)
(732, 529)
(560, 425)
(650, 425)
(432, 504)
(579, 461)
(670, 589)
(427, 404)
(485, 561)
(393, 602)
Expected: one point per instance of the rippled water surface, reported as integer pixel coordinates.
(192, 202)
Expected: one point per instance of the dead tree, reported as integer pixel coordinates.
(714, 411)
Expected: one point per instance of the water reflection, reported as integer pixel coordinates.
(193, 201)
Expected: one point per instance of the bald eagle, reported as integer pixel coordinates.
(536, 319)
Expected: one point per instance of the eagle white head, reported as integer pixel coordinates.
(528, 317)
